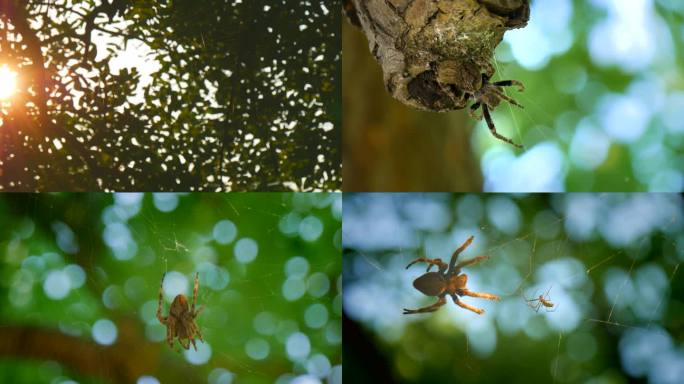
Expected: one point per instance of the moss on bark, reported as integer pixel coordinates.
(434, 53)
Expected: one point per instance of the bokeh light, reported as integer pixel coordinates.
(605, 262)
(104, 332)
(8, 79)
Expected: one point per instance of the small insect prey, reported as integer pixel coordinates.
(448, 281)
(436, 54)
(181, 321)
(541, 301)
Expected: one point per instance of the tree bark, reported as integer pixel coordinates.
(434, 53)
(123, 362)
(391, 147)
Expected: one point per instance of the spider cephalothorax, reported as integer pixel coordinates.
(180, 323)
(448, 281)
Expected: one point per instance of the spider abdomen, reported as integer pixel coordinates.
(430, 284)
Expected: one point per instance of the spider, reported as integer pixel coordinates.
(448, 281)
(488, 97)
(542, 300)
(180, 322)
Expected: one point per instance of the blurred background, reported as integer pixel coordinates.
(610, 264)
(604, 109)
(80, 277)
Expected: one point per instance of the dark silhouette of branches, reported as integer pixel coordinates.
(229, 96)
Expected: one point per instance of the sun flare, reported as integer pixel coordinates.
(8, 82)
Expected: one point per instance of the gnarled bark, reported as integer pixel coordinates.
(434, 53)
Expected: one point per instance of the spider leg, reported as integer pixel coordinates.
(161, 318)
(441, 301)
(508, 83)
(438, 262)
(530, 300)
(466, 263)
(472, 110)
(199, 334)
(481, 295)
(186, 345)
(533, 305)
(169, 334)
(461, 304)
(194, 291)
(492, 128)
(193, 344)
(463, 246)
(503, 96)
(197, 313)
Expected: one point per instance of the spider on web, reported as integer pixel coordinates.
(489, 97)
(181, 321)
(448, 281)
(541, 301)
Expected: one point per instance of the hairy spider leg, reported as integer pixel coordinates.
(472, 261)
(170, 333)
(492, 128)
(482, 295)
(438, 262)
(161, 318)
(187, 343)
(466, 306)
(458, 251)
(472, 110)
(508, 83)
(194, 292)
(199, 334)
(507, 98)
(431, 308)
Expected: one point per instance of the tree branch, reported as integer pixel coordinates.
(434, 53)
(38, 73)
(125, 361)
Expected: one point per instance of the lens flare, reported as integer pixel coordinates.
(8, 82)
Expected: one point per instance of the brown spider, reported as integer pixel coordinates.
(488, 97)
(448, 281)
(180, 322)
(542, 300)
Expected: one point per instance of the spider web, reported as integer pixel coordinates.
(608, 309)
(235, 294)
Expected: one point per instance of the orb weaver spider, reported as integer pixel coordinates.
(181, 321)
